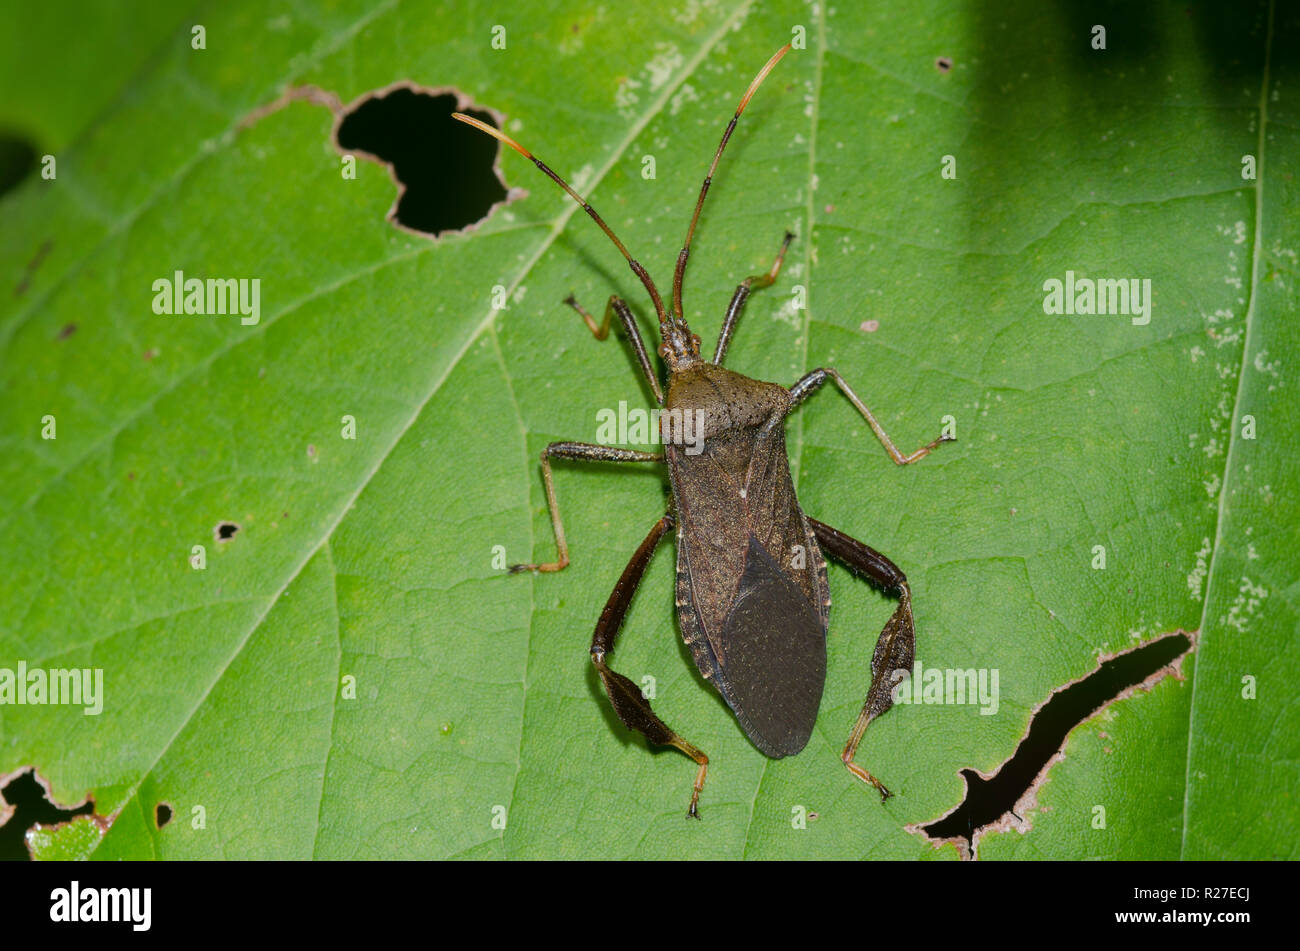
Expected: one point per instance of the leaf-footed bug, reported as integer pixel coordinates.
(755, 619)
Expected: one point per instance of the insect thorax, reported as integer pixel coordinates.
(708, 401)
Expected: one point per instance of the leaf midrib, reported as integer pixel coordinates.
(1256, 261)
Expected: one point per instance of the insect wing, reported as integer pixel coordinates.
(773, 656)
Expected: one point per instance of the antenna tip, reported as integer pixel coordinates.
(762, 74)
(492, 131)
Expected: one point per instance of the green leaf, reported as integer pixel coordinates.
(66, 841)
(371, 558)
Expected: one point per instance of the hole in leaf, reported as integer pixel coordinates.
(26, 796)
(990, 799)
(225, 531)
(446, 171)
(162, 814)
(17, 161)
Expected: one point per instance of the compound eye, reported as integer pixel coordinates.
(665, 350)
(695, 343)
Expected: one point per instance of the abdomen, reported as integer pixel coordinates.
(752, 595)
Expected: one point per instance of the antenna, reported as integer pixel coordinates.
(680, 274)
(637, 269)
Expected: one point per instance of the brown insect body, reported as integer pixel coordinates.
(752, 594)
(752, 597)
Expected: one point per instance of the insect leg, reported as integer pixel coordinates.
(576, 450)
(616, 305)
(896, 646)
(742, 294)
(806, 385)
(630, 705)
